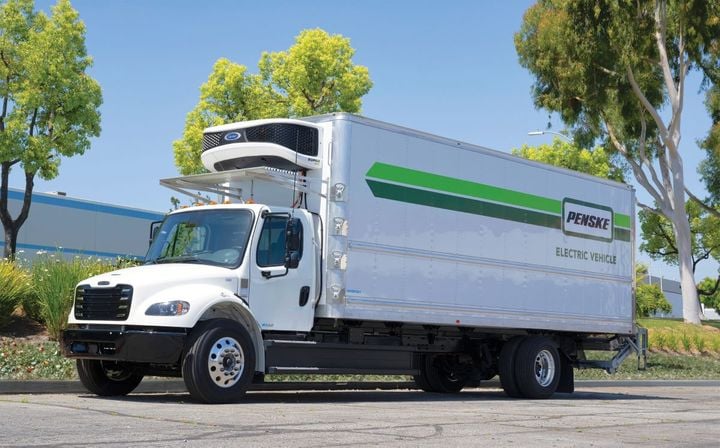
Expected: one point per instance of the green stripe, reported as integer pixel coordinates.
(446, 184)
(407, 176)
(622, 234)
(473, 206)
(622, 220)
(460, 204)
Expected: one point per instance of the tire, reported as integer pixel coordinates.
(436, 375)
(506, 367)
(219, 362)
(106, 378)
(537, 367)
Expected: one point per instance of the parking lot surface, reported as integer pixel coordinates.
(605, 416)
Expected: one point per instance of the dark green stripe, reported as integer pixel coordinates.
(460, 204)
(622, 234)
(473, 206)
(416, 178)
(392, 173)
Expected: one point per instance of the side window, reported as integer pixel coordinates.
(271, 246)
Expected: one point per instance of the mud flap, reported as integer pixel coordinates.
(567, 376)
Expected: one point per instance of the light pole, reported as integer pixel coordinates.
(553, 133)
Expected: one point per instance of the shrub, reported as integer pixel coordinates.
(54, 281)
(14, 288)
(699, 341)
(649, 299)
(672, 342)
(686, 342)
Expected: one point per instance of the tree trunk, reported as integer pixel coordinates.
(691, 305)
(12, 226)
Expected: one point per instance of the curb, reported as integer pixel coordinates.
(177, 386)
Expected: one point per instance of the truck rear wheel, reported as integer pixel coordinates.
(537, 367)
(107, 378)
(506, 367)
(219, 362)
(438, 375)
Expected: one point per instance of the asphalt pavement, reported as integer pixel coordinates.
(610, 414)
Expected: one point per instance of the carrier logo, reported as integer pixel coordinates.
(587, 220)
(232, 136)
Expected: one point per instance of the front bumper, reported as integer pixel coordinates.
(155, 346)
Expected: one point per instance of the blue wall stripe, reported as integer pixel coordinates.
(67, 250)
(60, 201)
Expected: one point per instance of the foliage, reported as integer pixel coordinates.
(711, 296)
(315, 75)
(54, 280)
(14, 288)
(616, 70)
(659, 239)
(649, 298)
(32, 361)
(597, 162)
(49, 104)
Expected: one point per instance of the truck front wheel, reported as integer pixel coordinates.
(219, 362)
(106, 378)
(537, 367)
(439, 373)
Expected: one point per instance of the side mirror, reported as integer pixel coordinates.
(154, 228)
(292, 259)
(293, 235)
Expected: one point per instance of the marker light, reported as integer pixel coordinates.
(338, 192)
(171, 308)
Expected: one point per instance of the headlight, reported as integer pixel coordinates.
(171, 308)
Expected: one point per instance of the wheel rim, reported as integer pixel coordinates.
(544, 368)
(115, 372)
(226, 362)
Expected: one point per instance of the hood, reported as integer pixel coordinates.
(195, 283)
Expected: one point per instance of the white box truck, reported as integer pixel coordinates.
(345, 245)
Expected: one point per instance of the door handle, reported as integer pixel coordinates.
(304, 295)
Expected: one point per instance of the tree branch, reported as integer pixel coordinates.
(660, 27)
(637, 169)
(646, 103)
(704, 292)
(702, 204)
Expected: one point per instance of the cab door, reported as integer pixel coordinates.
(283, 299)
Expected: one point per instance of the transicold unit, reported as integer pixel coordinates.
(348, 245)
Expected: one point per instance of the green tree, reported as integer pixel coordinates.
(659, 240)
(616, 70)
(597, 162)
(711, 289)
(49, 104)
(314, 76)
(649, 298)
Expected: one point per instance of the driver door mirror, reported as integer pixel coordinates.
(293, 243)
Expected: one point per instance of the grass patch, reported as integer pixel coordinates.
(34, 361)
(661, 366)
(667, 335)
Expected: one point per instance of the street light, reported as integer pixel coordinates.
(553, 133)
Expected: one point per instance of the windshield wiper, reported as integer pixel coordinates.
(181, 259)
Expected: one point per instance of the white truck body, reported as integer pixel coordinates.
(414, 250)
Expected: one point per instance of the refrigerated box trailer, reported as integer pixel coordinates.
(345, 245)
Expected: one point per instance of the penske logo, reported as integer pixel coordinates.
(583, 219)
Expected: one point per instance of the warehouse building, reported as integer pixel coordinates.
(78, 227)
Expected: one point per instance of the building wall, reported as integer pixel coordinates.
(76, 226)
(673, 293)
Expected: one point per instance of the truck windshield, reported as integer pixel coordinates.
(214, 237)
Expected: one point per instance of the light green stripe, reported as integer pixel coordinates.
(407, 176)
(622, 220)
(466, 188)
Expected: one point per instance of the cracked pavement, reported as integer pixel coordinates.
(608, 416)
